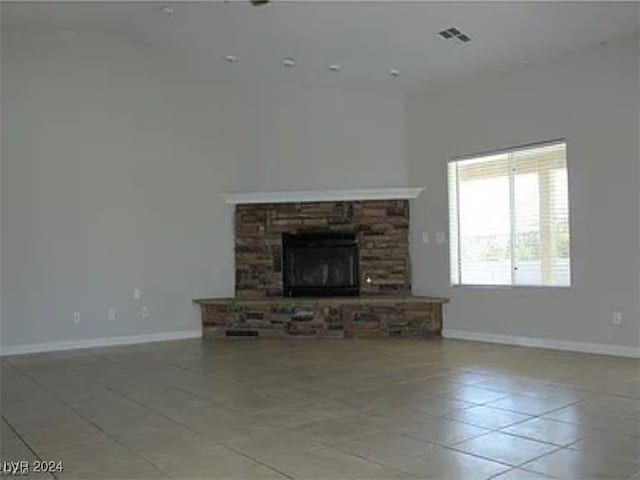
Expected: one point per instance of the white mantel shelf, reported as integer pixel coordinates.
(291, 196)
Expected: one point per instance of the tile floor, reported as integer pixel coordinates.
(323, 409)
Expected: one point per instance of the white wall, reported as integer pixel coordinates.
(111, 165)
(112, 162)
(306, 139)
(592, 99)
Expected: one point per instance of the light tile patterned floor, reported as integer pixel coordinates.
(332, 409)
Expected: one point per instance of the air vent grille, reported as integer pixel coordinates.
(454, 34)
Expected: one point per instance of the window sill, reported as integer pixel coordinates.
(512, 287)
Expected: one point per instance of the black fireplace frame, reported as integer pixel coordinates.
(312, 240)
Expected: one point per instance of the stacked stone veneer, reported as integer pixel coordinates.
(381, 228)
(326, 318)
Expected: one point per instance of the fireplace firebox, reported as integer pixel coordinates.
(320, 264)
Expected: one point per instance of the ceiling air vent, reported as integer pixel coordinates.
(454, 34)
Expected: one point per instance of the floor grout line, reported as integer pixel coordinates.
(513, 466)
(370, 460)
(186, 427)
(91, 422)
(25, 443)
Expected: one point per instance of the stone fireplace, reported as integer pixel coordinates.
(331, 265)
(379, 228)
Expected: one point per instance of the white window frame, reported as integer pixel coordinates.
(511, 285)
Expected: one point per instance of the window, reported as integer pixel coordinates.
(509, 218)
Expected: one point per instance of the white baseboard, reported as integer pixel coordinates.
(97, 342)
(586, 347)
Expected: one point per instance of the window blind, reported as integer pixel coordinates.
(509, 218)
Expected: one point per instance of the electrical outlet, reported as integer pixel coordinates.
(76, 317)
(441, 238)
(136, 294)
(145, 312)
(617, 318)
(111, 314)
(425, 238)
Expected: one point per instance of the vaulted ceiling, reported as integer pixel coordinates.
(365, 39)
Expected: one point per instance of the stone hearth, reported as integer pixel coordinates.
(331, 317)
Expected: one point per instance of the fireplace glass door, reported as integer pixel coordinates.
(320, 265)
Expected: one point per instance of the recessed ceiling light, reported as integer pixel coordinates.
(335, 68)
(167, 10)
(288, 62)
(394, 73)
(231, 58)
